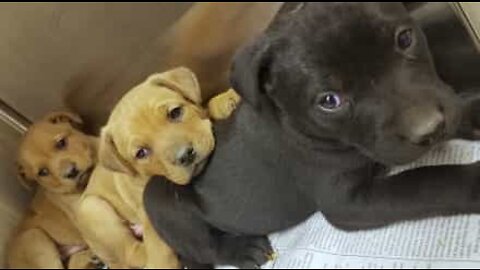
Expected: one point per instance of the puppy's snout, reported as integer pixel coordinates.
(72, 171)
(434, 133)
(186, 156)
(427, 128)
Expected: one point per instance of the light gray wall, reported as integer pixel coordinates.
(13, 197)
(44, 46)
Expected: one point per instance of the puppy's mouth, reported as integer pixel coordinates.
(84, 177)
(199, 167)
(194, 158)
(190, 158)
(195, 165)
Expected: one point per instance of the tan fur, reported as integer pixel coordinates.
(48, 227)
(113, 199)
(204, 39)
(230, 25)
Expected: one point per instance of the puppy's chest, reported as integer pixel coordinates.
(129, 202)
(55, 222)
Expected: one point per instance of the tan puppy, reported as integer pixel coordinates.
(59, 158)
(204, 39)
(158, 128)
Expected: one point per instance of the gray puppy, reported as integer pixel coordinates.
(334, 93)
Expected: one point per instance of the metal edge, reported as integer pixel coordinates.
(464, 17)
(13, 118)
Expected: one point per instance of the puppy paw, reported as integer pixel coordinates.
(246, 252)
(96, 263)
(222, 106)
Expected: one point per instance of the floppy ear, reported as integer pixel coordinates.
(61, 117)
(25, 181)
(109, 156)
(250, 70)
(181, 80)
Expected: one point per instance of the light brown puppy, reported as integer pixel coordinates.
(57, 158)
(158, 128)
(204, 39)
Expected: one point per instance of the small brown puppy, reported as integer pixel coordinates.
(60, 159)
(158, 128)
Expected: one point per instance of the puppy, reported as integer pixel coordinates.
(207, 53)
(58, 158)
(158, 128)
(326, 110)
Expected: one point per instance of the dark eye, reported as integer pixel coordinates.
(175, 114)
(405, 39)
(142, 153)
(43, 172)
(330, 102)
(61, 144)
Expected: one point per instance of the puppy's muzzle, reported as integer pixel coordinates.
(425, 128)
(186, 156)
(72, 172)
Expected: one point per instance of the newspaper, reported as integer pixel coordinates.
(446, 242)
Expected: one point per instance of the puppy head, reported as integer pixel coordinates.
(159, 128)
(358, 74)
(56, 155)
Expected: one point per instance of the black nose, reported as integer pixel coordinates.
(186, 156)
(72, 172)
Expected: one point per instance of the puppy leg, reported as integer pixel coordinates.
(175, 216)
(81, 260)
(159, 254)
(413, 194)
(34, 249)
(106, 234)
(222, 106)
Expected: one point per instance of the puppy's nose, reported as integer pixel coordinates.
(429, 129)
(186, 156)
(72, 172)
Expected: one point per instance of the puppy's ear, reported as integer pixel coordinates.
(22, 176)
(109, 156)
(62, 117)
(250, 72)
(181, 80)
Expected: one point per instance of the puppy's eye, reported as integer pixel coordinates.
(330, 102)
(142, 153)
(61, 144)
(43, 172)
(175, 114)
(405, 39)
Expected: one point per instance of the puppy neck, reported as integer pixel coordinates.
(130, 181)
(312, 142)
(94, 143)
(65, 202)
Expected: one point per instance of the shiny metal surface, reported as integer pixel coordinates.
(13, 118)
